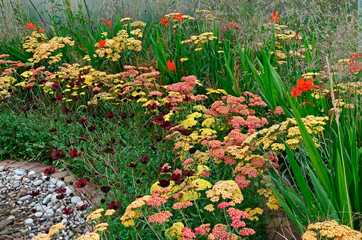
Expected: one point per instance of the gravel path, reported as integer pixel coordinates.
(30, 203)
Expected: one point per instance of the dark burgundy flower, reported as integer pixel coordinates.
(158, 138)
(158, 120)
(184, 132)
(26, 108)
(83, 139)
(103, 200)
(109, 149)
(60, 196)
(188, 173)
(16, 92)
(145, 159)
(81, 183)
(52, 130)
(152, 106)
(112, 141)
(139, 196)
(114, 205)
(55, 86)
(168, 105)
(83, 207)
(69, 121)
(71, 84)
(91, 128)
(75, 98)
(123, 115)
(34, 107)
(61, 190)
(67, 211)
(59, 97)
(83, 120)
(165, 169)
(192, 150)
(177, 178)
(132, 165)
(74, 153)
(66, 110)
(49, 171)
(34, 193)
(105, 189)
(166, 125)
(132, 115)
(58, 154)
(109, 115)
(163, 183)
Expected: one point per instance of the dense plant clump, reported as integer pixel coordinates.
(198, 138)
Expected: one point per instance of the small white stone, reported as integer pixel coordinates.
(28, 221)
(20, 171)
(75, 199)
(38, 214)
(37, 182)
(60, 184)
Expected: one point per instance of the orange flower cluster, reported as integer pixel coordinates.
(302, 86)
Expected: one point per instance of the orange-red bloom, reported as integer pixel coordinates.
(274, 17)
(30, 25)
(109, 23)
(171, 66)
(178, 17)
(101, 43)
(164, 21)
(302, 86)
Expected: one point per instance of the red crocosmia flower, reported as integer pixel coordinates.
(59, 97)
(178, 17)
(109, 23)
(49, 171)
(30, 25)
(58, 154)
(41, 30)
(109, 115)
(302, 86)
(171, 66)
(83, 207)
(81, 183)
(274, 17)
(55, 86)
(114, 205)
(295, 92)
(67, 211)
(74, 153)
(233, 25)
(164, 21)
(101, 43)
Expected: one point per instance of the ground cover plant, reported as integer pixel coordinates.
(196, 124)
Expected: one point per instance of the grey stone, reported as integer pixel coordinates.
(20, 171)
(37, 182)
(38, 214)
(75, 199)
(60, 184)
(28, 221)
(47, 199)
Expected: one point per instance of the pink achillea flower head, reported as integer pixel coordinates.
(223, 205)
(246, 232)
(187, 233)
(279, 111)
(220, 232)
(203, 229)
(160, 217)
